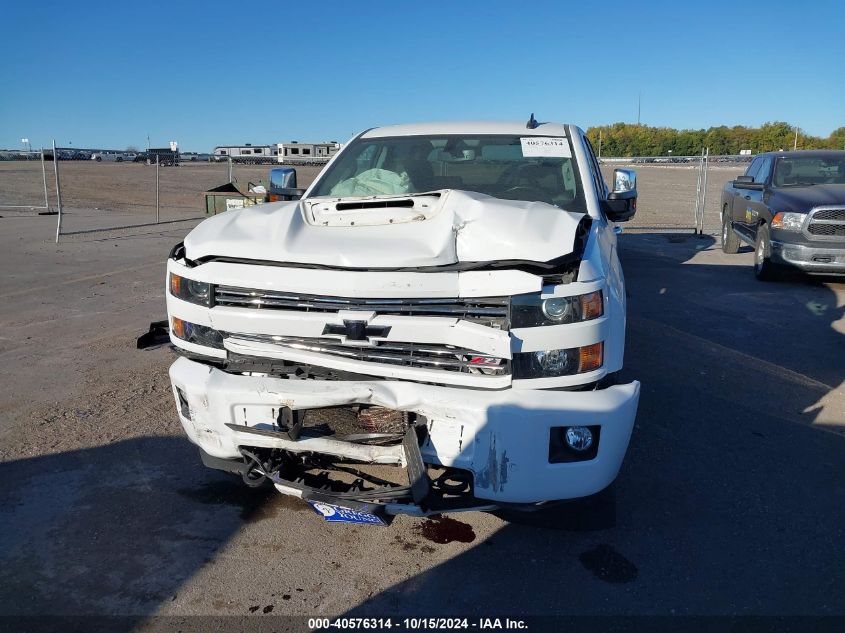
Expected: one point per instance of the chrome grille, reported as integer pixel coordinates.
(418, 355)
(489, 311)
(826, 223)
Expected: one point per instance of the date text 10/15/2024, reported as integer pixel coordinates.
(416, 624)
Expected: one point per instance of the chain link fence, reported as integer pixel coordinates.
(32, 184)
(677, 196)
(111, 196)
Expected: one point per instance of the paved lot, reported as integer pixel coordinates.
(731, 499)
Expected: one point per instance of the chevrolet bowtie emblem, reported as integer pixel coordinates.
(356, 330)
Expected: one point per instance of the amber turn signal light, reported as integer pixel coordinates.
(591, 357)
(592, 305)
(175, 285)
(177, 326)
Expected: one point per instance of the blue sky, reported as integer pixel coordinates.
(106, 74)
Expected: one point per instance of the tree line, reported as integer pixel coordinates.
(628, 139)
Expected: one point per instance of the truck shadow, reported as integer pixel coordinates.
(731, 490)
(115, 529)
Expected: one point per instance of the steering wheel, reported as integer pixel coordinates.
(525, 192)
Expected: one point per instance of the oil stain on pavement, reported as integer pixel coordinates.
(441, 529)
(608, 565)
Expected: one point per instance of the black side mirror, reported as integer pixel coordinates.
(746, 182)
(621, 203)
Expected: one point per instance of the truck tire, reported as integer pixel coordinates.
(730, 240)
(764, 268)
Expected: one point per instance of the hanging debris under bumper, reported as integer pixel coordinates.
(478, 448)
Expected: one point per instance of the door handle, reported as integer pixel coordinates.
(748, 197)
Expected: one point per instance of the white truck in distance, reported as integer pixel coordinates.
(436, 325)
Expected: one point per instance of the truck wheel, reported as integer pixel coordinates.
(730, 240)
(764, 268)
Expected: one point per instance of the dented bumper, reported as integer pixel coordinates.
(502, 437)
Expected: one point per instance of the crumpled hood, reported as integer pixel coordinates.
(459, 226)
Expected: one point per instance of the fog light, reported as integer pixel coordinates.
(579, 438)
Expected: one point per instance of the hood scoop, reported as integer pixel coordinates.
(372, 211)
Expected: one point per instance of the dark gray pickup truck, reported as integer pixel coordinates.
(791, 207)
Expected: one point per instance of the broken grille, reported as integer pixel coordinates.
(826, 223)
(489, 311)
(416, 355)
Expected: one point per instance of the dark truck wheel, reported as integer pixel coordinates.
(764, 268)
(730, 240)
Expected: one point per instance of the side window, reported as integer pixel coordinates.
(754, 167)
(763, 173)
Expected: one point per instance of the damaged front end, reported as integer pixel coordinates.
(370, 463)
(388, 447)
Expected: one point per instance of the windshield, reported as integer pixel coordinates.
(809, 171)
(501, 166)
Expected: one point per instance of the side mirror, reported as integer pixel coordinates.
(283, 185)
(621, 203)
(746, 182)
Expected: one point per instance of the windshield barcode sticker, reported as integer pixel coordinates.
(556, 147)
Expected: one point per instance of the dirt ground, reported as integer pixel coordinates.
(731, 500)
(108, 194)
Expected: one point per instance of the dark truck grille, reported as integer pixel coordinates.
(489, 311)
(827, 223)
(418, 355)
(829, 214)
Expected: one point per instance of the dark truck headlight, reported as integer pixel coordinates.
(186, 289)
(558, 362)
(197, 334)
(532, 311)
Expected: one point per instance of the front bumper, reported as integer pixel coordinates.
(502, 437)
(811, 259)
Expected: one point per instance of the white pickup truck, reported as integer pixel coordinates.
(436, 325)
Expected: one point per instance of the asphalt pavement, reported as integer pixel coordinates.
(731, 500)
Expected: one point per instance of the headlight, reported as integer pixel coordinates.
(788, 221)
(189, 290)
(197, 334)
(558, 362)
(532, 310)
